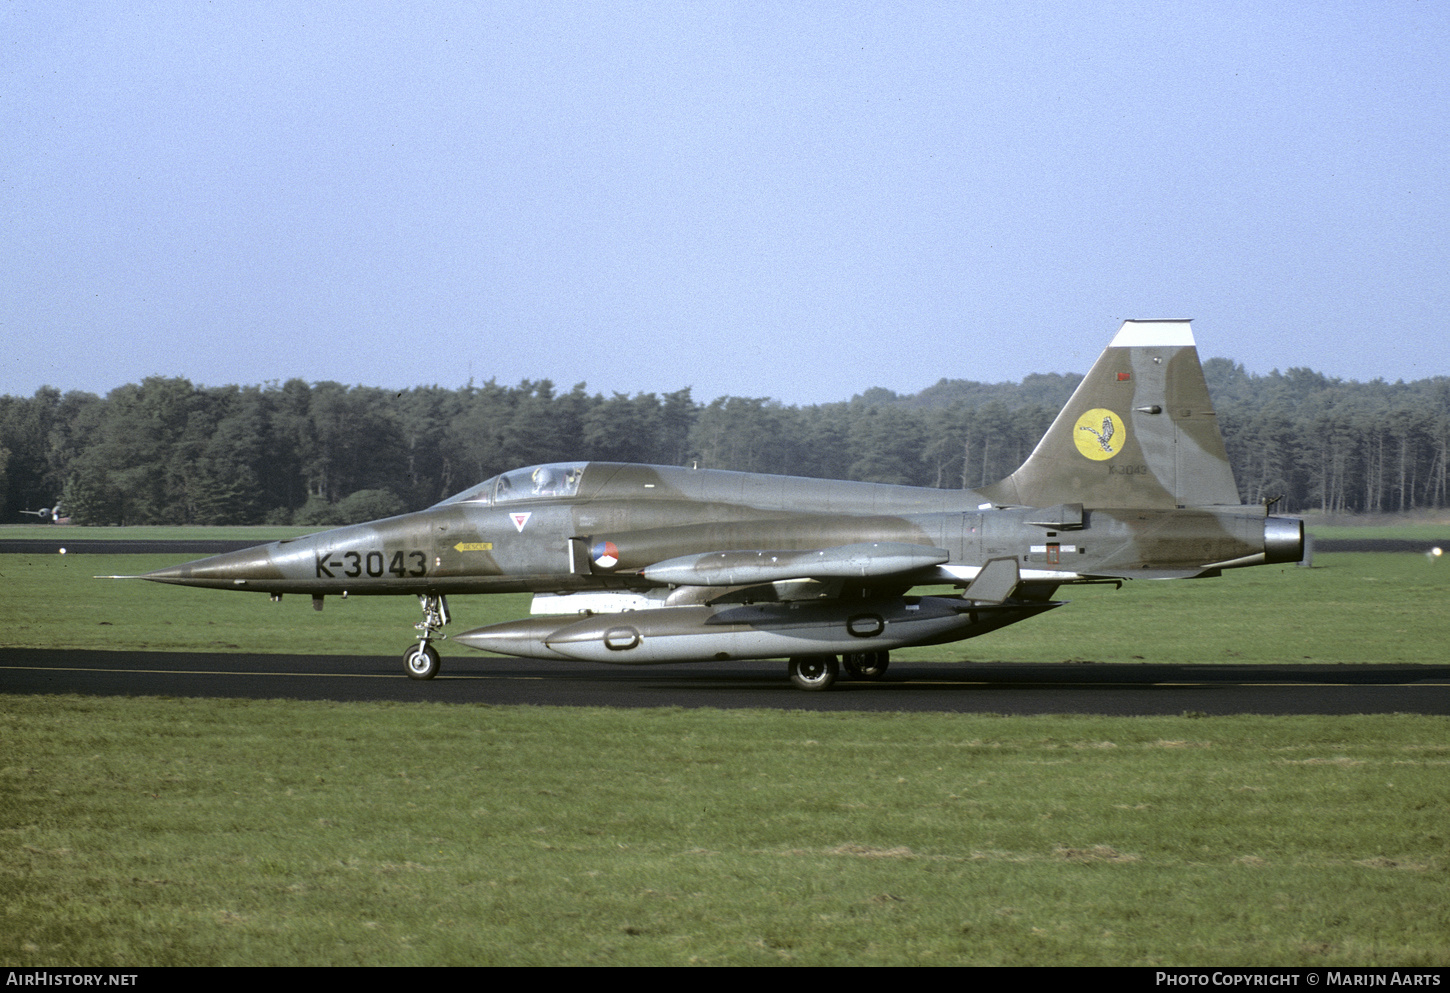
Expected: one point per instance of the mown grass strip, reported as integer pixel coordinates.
(1416, 531)
(159, 832)
(1349, 608)
(234, 832)
(261, 533)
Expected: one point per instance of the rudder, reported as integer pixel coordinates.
(1139, 431)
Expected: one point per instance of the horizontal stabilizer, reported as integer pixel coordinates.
(873, 559)
(997, 581)
(1063, 517)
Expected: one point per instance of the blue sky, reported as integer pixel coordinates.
(792, 200)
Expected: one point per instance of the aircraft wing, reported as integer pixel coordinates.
(874, 559)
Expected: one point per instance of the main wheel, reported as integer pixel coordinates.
(866, 665)
(422, 661)
(813, 672)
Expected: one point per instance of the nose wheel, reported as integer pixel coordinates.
(421, 660)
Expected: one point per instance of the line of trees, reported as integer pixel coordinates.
(166, 451)
(1334, 446)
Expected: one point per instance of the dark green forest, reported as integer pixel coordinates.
(167, 451)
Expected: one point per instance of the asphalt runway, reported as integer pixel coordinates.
(999, 688)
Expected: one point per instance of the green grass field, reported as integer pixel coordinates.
(150, 831)
(1350, 608)
(161, 832)
(151, 532)
(1390, 528)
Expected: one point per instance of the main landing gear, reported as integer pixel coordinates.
(422, 659)
(813, 672)
(866, 665)
(818, 672)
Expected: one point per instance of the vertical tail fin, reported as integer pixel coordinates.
(1139, 431)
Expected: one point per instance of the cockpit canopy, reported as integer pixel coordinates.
(537, 482)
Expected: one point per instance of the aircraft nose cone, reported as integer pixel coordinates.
(230, 569)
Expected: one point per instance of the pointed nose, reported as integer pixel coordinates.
(523, 638)
(226, 571)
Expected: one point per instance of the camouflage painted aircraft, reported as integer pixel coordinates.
(650, 564)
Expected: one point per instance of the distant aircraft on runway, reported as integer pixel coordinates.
(647, 564)
(50, 515)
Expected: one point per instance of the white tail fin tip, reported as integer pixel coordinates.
(1148, 334)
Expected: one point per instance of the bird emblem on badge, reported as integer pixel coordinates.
(1104, 436)
(1099, 443)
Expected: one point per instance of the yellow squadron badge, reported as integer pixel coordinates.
(1100, 434)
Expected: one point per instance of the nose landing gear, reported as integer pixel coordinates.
(421, 660)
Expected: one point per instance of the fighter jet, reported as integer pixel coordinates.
(640, 564)
(49, 515)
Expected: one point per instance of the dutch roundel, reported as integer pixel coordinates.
(605, 554)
